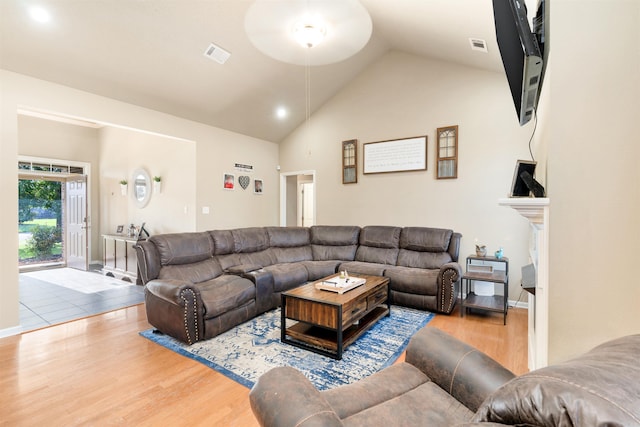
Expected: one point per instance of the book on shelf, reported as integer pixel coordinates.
(340, 284)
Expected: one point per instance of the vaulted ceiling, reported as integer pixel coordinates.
(150, 53)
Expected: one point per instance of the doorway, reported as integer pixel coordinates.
(53, 218)
(298, 198)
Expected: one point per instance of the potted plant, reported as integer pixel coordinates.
(123, 187)
(157, 184)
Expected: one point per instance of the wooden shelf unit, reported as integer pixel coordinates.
(496, 303)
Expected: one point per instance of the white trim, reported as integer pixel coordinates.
(8, 332)
(283, 193)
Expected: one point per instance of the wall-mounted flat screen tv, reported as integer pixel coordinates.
(521, 55)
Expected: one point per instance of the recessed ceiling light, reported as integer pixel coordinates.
(39, 14)
(281, 113)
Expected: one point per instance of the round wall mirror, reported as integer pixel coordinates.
(141, 187)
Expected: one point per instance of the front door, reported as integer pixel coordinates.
(77, 222)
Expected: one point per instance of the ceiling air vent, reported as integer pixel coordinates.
(479, 45)
(217, 53)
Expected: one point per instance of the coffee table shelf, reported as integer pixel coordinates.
(327, 338)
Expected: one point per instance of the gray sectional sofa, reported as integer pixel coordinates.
(200, 284)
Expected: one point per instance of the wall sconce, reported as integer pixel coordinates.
(123, 187)
(157, 185)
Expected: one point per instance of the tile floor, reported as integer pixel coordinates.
(44, 303)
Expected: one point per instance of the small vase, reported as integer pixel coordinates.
(157, 187)
(481, 250)
(123, 189)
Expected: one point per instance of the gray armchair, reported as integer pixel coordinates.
(444, 382)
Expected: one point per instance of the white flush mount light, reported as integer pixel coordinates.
(39, 14)
(283, 30)
(309, 31)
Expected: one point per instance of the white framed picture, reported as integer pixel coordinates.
(258, 186)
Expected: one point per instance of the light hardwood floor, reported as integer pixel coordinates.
(99, 371)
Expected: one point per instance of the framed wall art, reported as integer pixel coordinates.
(447, 152)
(258, 186)
(398, 155)
(350, 161)
(228, 181)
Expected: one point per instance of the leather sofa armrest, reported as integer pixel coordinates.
(284, 397)
(148, 260)
(175, 307)
(448, 276)
(263, 280)
(465, 373)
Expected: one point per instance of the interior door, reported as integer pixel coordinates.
(306, 205)
(77, 223)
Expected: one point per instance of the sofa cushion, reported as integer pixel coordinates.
(425, 239)
(599, 388)
(183, 248)
(416, 259)
(379, 244)
(319, 269)
(225, 293)
(251, 239)
(287, 276)
(413, 280)
(425, 405)
(260, 258)
(196, 272)
(357, 267)
(334, 242)
(380, 236)
(377, 255)
(388, 383)
(223, 242)
(288, 237)
(334, 235)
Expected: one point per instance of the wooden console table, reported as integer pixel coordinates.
(119, 258)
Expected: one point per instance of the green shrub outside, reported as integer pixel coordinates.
(43, 239)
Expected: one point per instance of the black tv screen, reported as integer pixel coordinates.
(521, 55)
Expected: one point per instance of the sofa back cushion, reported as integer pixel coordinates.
(334, 242)
(251, 239)
(423, 247)
(290, 244)
(183, 248)
(186, 256)
(598, 388)
(379, 244)
(195, 272)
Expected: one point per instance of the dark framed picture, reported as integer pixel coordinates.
(524, 169)
(119, 229)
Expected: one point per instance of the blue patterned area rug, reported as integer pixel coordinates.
(251, 349)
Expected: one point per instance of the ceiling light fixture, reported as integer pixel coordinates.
(309, 31)
(345, 28)
(39, 14)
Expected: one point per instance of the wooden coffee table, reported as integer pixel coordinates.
(327, 322)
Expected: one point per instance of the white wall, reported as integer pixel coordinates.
(121, 152)
(56, 140)
(216, 151)
(593, 173)
(404, 96)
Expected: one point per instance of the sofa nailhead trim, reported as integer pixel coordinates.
(195, 316)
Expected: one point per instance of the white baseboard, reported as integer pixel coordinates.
(8, 332)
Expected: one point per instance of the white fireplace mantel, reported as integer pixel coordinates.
(536, 210)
